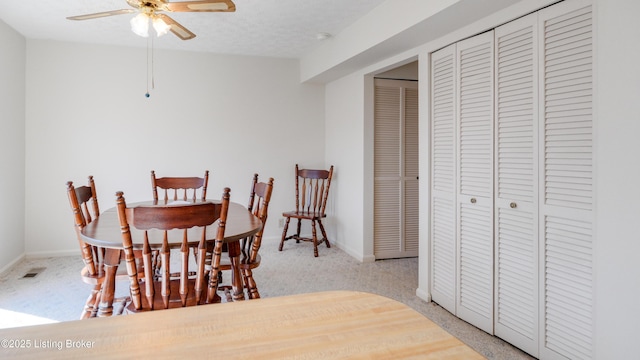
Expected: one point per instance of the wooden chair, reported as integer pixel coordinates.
(312, 193)
(259, 198)
(182, 185)
(84, 204)
(188, 223)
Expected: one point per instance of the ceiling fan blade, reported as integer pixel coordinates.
(204, 5)
(134, 3)
(179, 30)
(101, 14)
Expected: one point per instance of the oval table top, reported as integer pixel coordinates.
(104, 231)
(324, 325)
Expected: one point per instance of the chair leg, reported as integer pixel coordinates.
(91, 306)
(94, 311)
(284, 233)
(324, 234)
(298, 231)
(314, 237)
(105, 307)
(250, 284)
(212, 287)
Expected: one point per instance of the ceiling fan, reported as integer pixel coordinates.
(152, 11)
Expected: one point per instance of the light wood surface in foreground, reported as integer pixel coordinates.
(325, 325)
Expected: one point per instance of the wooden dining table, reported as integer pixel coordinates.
(323, 325)
(105, 232)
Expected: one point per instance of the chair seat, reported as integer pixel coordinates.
(309, 215)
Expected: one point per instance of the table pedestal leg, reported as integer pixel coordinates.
(111, 262)
(236, 276)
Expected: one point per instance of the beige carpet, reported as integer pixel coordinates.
(57, 294)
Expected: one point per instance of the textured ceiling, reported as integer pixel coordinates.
(275, 28)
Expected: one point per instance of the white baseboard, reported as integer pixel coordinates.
(57, 253)
(12, 264)
(424, 295)
(354, 254)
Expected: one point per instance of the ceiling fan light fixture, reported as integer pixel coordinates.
(160, 26)
(140, 25)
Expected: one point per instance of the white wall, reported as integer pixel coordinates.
(87, 115)
(344, 131)
(617, 180)
(12, 101)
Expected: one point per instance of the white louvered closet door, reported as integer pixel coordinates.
(443, 178)
(475, 186)
(396, 169)
(566, 194)
(516, 183)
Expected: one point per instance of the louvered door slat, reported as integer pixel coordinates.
(566, 199)
(411, 194)
(569, 56)
(475, 189)
(386, 214)
(411, 218)
(386, 131)
(387, 139)
(568, 287)
(516, 305)
(443, 178)
(476, 116)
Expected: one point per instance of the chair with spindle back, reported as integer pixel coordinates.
(84, 205)
(157, 224)
(312, 193)
(186, 187)
(259, 198)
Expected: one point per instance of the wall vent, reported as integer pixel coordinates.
(33, 273)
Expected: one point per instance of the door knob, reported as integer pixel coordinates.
(513, 205)
(473, 200)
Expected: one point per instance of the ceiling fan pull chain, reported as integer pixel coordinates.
(147, 72)
(153, 65)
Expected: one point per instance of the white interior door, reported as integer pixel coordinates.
(443, 178)
(475, 185)
(516, 183)
(566, 179)
(395, 169)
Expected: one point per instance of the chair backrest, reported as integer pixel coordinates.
(312, 190)
(190, 221)
(185, 186)
(84, 204)
(258, 206)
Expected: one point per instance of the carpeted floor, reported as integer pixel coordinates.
(57, 294)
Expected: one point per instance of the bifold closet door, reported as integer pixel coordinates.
(396, 169)
(566, 179)
(516, 183)
(475, 180)
(443, 178)
(512, 181)
(462, 179)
